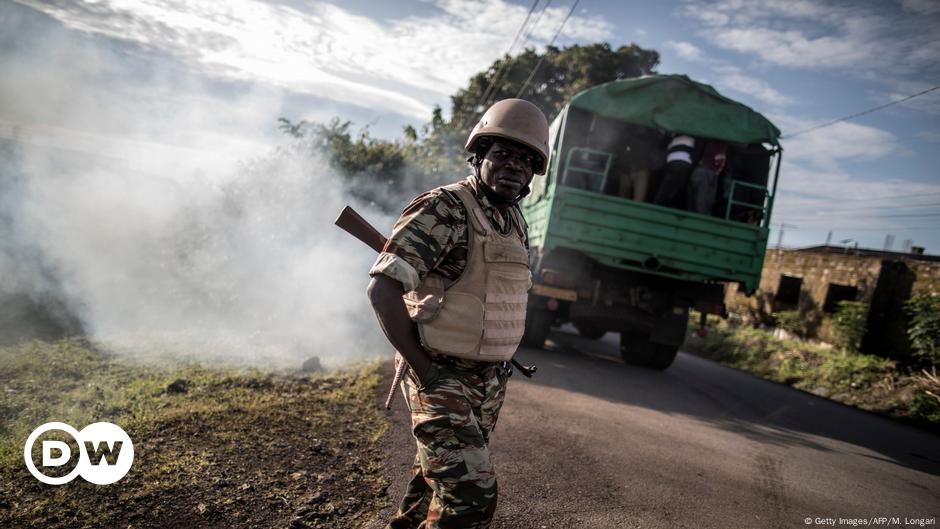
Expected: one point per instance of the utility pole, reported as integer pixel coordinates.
(846, 243)
(780, 237)
(889, 242)
(829, 238)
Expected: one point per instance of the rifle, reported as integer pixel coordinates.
(358, 227)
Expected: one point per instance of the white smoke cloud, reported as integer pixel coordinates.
(162, 215)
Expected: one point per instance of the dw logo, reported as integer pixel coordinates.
(105, 453)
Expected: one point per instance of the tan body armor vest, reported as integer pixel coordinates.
(482, 315)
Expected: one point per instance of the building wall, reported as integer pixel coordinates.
(928, 277)
(883, 284)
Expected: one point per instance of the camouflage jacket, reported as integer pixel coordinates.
(431, 234)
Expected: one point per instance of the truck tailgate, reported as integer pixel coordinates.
(654, 239)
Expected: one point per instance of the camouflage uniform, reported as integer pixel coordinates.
(453, 484)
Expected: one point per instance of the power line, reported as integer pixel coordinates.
(858, 114)
(870, 208)
(868, 199)
(502, 68)
(854, 228)
(492, 89)
(542, 58)
(824, 215)
(535, 23)
(528, 36)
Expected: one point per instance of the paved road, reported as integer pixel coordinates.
(593, 443)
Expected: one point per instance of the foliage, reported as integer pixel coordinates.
(790, 321)
(926, 404)
(849, 324)
(924, 328)
(867, 381)
(926, 408)
(382, 172)
(562, 73)
(743, 347)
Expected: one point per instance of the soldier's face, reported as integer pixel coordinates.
(507, 168)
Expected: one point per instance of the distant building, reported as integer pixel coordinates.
(814, 280)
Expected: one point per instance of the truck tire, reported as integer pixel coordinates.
(538, 323)
(589, 331)
(640, 352)
(664, 357)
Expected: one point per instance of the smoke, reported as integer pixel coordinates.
(154, 211)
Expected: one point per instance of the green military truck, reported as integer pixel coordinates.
(605, 258)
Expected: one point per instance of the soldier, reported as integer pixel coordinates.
(450, 291)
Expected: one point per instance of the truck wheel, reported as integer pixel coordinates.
(664, 356)
(589, 331)
(538, 323)
(639, 351)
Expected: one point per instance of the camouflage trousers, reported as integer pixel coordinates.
(453, 485)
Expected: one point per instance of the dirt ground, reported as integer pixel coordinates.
(219, 450)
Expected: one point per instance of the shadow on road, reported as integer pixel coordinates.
(729, 399)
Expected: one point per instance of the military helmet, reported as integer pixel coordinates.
(517, 120)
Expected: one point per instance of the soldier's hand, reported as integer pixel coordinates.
(429, 378)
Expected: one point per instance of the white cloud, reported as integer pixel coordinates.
(825, 35)
(921, 7)
(734, 79)
(816, 189)
(685, 50)
(401, 66)
(826, 147)
(932, 136)
(901, 88)
(814, 197)
(793, 48)
(729, 77)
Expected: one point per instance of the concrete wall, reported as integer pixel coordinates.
(927, 277)
(882, 283)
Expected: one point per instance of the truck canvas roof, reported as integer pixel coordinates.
(677, 104)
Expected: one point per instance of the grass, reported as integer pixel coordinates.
(866, 381)
(214, 446)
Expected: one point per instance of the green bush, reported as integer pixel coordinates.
(794, 369)
(867, 381)
(790, 321)
(848, 325)
(844, 370)
(925, 407)
(924, 328)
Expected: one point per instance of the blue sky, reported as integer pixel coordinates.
(209, 78)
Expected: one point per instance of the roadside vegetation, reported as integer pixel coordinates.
(838, 371)
(214, 446)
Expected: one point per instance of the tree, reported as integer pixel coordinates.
(556, 76)
(561, 73)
